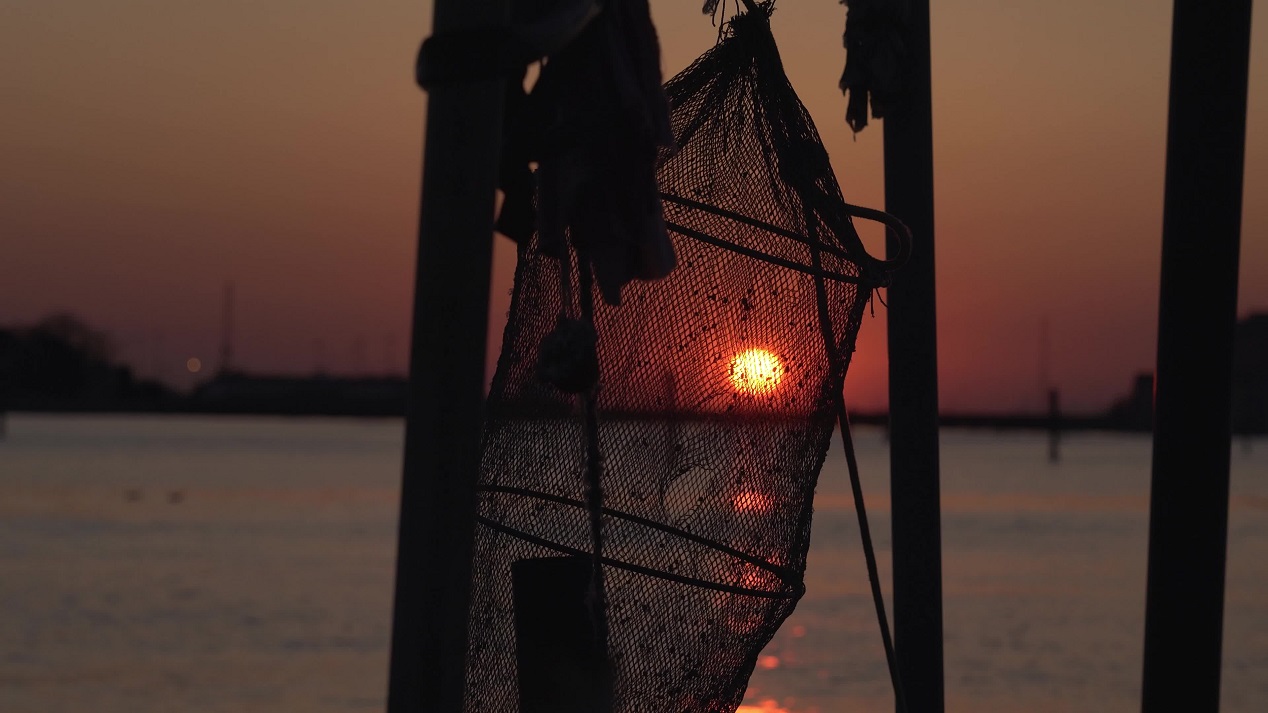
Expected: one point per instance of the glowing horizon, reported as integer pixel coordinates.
(153, 153)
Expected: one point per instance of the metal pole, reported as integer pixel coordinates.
(1188, 508)
(913, 381)
(446, 385)
(226, 331)
(1054, 426)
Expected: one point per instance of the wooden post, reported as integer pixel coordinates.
(446, 385)
(913, 381)
(561, 664)
(1188, 508)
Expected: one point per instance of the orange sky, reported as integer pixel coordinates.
(152, 150)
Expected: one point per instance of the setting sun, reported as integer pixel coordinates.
(756, 372)
(749, 501)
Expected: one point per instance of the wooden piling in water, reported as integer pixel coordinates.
(913, 380)
(446, 385)
(1054, 426)
(1202, 208)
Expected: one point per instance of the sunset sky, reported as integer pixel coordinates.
(152, 150)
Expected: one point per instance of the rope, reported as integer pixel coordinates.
(869, 554)
(594, 472)
(794, 593)
(786, 576)
(847, 442)
(565, 284)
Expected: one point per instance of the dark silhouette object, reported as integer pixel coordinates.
(1054, 426)
(889, 61)
(60, 363)
(1202, 208)
(465, 65)
(1249, 405)
(236, 392)
(561, 666)
(446, 388)
(720, 388)
(1250, 376)
(1135, 412)
(604, 120)
(869, 555)
(876, 35)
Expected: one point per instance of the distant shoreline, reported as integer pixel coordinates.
(61, 365)
(990, 421)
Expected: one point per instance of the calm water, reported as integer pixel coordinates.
(232, 564)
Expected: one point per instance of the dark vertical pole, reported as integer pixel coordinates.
(1202, 209)
(446, 385)
(1054, 426)
(226, 330)
(913, 381)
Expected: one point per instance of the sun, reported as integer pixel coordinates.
(749, 501)
(756, 372)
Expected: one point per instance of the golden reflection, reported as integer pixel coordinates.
(769, 705)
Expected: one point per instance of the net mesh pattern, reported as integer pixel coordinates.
(716, 407)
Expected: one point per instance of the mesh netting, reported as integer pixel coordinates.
(719, 390)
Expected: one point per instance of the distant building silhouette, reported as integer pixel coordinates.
(1250, 375)
(1250, 385)
(61, 363)
(1135, 412)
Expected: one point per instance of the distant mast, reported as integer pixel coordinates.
(1045, 348)
(1050, 393)
(226, 330)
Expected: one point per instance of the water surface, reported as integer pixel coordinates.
(245, 564)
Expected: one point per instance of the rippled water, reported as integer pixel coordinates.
(235, 564)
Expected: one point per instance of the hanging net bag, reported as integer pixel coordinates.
(720, 385)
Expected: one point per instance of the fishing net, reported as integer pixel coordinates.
(720, 385)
